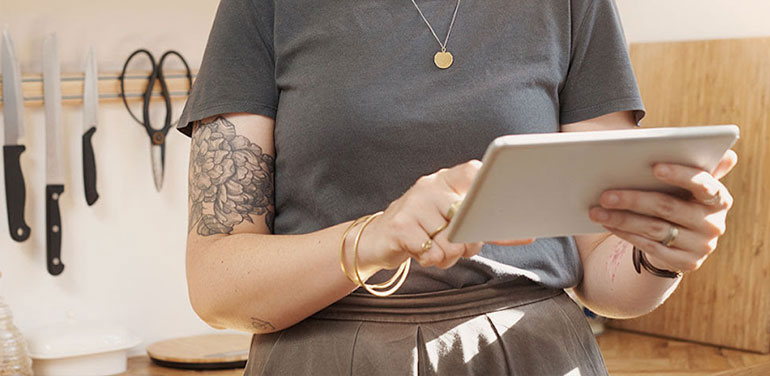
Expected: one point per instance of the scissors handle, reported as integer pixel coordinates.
(156, 75)
(164, 87)
(145, 96)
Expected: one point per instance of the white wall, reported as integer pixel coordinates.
(125, 256)
(665, 20)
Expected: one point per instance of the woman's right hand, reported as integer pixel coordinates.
(405, 225)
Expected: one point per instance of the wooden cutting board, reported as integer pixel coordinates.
(209, 351)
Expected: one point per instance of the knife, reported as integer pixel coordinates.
(54, 178)
(90, 120)
(13, 129)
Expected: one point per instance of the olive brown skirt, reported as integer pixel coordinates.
(501, 328)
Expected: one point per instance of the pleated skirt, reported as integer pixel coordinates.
(502, 328)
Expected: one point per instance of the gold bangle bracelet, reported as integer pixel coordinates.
(383, 285)
(342, 247)
(400, 275)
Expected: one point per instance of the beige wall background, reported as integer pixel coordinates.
(666, 20)
(124, 256)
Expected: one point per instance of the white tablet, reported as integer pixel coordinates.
(542, 185)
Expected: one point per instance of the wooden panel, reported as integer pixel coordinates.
(727, 301)
(631, 354)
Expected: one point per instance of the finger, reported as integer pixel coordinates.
(729, 160)
(512, 242)
(460, 177)
(653, 229)
(659, 205)
(472, 249)
(452, 251)
(703, 186)
(671, 258)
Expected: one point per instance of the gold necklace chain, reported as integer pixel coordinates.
(443, 59)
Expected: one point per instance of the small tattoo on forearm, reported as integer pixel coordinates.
(261, 324)
(620, 250)
(230, 180)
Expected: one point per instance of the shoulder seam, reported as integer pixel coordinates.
(268, 44)
(580, 27)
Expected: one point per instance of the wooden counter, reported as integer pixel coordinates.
(143, 366)
(626, 354)
(632, 354)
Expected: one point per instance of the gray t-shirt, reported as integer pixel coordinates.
(361, 111)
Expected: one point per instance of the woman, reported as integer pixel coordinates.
(306, 116)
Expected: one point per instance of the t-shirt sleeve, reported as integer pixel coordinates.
(600, 79)
(237, 73)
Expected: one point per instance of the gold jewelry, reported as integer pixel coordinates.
(673, 232)
(385, 284)
(451, 213)
(426, 245)
(400, 275)
(443, 59)
(342, 247)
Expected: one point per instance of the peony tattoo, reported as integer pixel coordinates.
(231, 179)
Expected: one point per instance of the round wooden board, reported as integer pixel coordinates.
(202, 349)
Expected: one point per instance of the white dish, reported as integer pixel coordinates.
(80, 349)
(542, 185)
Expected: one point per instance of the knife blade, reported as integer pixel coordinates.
(90, 121)
(13, 130)
(54, 177)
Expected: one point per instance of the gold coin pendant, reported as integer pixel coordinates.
(443, 59)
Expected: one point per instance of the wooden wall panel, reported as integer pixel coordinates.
(727, 301)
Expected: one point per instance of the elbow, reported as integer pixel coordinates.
(205, 302)
(219, 313)
(617, 306)
(203, 307)
(216, 299)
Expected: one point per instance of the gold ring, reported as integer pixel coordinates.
(434, 233)
(452, 210)
(426, 245)
(673, 232)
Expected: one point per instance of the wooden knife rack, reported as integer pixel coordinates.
(109, 87)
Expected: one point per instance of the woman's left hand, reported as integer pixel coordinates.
(645, 219)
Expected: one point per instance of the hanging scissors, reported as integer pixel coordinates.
(157, 136)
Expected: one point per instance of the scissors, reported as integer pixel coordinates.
(157, 136)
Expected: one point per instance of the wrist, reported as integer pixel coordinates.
(367, 264)
(641, 261)
(659, 263)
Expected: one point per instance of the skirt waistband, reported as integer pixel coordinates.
(438, 306)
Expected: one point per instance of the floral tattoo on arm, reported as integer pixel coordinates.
(230, 179)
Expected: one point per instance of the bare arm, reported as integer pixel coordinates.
(239, 275)
(243, 277)
(611, 286)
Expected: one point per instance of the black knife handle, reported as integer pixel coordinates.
(53, 228)
(89, 167)
(15, 192)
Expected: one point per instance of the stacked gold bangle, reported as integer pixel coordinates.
(375, 289)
